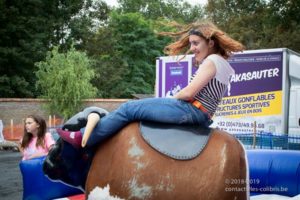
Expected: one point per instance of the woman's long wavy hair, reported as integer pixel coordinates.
(223, 44)
(40, 135)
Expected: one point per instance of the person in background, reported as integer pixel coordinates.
(36, 141)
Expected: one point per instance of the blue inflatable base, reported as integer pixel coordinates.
(274, 172)
(36, 186)
(270, 172)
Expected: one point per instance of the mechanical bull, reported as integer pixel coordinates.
(135, 170)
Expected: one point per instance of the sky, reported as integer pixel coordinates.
(192, 2)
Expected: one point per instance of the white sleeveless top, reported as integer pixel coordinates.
(211, 95)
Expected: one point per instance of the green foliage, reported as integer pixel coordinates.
(258, 24)
(128, 65)
(282, 25)
(139, 47)
(122, 41)
(155, 9)
(64, 79)
(22, 40)
(28, 29)
(83, 25)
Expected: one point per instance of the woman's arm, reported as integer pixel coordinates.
(205, 73)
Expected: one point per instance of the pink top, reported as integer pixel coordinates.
(32, 149)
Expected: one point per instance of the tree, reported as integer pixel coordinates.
(155, 9)
(282, 24)
(83, 25)
(125, 51)
(240, 19)
(23, 39)
(28, 29)
(108, 65)
(258, 24)
(64, 79)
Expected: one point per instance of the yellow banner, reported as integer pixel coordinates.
(259, 104)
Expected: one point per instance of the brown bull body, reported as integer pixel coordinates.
(134, 170)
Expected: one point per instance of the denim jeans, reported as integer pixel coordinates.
(165, 110)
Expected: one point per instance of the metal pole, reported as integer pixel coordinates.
(254, 135)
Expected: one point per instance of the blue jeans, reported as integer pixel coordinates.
(165, 110)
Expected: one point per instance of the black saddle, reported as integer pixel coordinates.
(181, 142)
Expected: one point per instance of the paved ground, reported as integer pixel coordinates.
(11, 185)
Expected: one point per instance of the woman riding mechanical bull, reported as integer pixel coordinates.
(195, 104)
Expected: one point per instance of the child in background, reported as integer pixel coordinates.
(36, 142)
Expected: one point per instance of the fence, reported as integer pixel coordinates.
(14, 132)
(265, 140)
